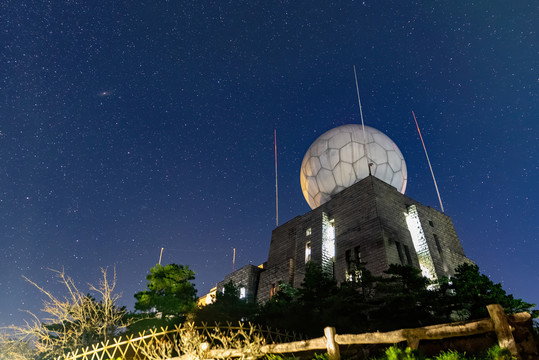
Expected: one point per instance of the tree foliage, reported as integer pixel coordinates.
(304, 309)
(170, 291)
(473, 291)
(227, 307)
(402, 298)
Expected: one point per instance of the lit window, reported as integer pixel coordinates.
(242, 292)
(308, 232)
(273, 290)
(420, 243)
(328, 244)
(308, 251)
(353, 265)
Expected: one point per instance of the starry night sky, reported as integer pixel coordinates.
(130, 126)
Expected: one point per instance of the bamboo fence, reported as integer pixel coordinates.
(132, 347)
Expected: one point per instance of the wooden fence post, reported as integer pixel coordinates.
(332, 346)
(413, 343)
(502, 329)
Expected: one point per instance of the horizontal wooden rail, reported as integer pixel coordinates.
(296, 346)
(433, 332)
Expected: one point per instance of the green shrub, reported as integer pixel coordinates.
(494, 353)
(316, 356)
(451, 355)
(279, 357)
(497, 353)
(323, 356)
(395, 353)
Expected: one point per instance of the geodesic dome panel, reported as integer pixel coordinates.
(338, 159)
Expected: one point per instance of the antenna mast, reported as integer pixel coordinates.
(276, 185)
(428, 160)
(362, 124)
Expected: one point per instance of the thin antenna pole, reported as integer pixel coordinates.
(276, 184)
(428, 160)
(362, 123)
(161, 255)
(234, 259)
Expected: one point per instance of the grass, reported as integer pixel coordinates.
(396, 353)
(494, 353)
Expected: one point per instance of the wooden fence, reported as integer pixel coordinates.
(273, 341)
(331, 341)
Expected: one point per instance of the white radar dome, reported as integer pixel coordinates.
(338, 159)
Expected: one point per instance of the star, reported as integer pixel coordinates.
(105, 93)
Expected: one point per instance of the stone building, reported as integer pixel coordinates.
(369, 222)
(246, 279)
(356, 218)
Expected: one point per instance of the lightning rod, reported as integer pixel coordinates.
(428, 160)
(276, 185)
(362, 124)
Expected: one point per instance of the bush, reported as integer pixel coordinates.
(497, 353)
(494, 353)
(396, 353)
(450, 355)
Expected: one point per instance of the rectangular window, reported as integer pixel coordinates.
(420, 243)
(328, 244)
(273, 290)
(399, 250)
(357, 255)
(350, 266)
(407, 253)
(291, 271)
(438, 246)
(307, 251)
(353, 265)
(242, 293)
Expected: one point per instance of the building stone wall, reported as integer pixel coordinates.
(246, 277)
(370, 224)
(444, 245)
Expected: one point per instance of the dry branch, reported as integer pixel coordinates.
(75, 320)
